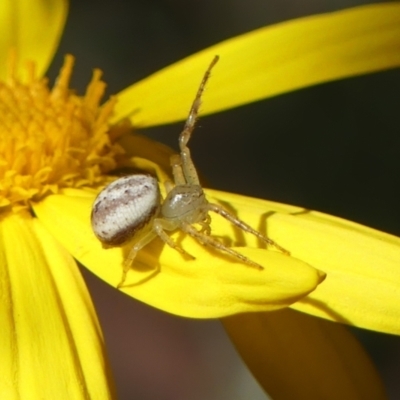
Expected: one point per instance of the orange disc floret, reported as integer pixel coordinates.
(52, 138)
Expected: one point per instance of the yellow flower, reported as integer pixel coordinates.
(58, 149)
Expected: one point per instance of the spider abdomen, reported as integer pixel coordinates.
(124, 208)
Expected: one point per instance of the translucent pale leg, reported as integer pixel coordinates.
(177, 172)
(147, 238)
(159, 227)
(189, 170)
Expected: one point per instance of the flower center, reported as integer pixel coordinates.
(52, 138)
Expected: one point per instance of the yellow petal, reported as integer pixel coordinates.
(51, 343)
(362, 264)
(270, 61)
(295, 356)
(33, 28)
(363, 268)
(148, 155)
(213, 285)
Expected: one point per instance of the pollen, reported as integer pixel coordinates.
(51, 138)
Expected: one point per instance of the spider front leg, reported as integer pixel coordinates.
(177, 171)
(146, 239)
(205, 226)
(159, 227)
(188, 168)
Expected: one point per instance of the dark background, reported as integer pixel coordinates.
(333, 148)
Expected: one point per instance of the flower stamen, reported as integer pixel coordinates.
(52, 138)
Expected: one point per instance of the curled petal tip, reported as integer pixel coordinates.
(321, 276)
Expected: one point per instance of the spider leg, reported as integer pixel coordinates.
(147, 238)
(242, 225)
(210, 241)
(159, 228)
(189, 170)
(205, 225)
(177, 171)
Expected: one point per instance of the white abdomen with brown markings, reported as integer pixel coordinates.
(124, 208)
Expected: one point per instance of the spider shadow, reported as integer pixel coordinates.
(239, 235)
(335, 316)
(263, 228)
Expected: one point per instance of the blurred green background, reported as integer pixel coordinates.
(333, 148)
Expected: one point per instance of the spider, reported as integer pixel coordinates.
(131, 208)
